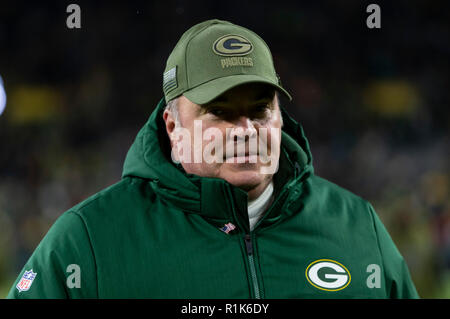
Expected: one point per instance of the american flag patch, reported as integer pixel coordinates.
(26, 281)
(227, 228)
(170, 80)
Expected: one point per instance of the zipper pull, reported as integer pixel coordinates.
(248, 244)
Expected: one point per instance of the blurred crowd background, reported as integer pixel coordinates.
(374, 104)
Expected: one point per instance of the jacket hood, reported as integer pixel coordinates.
(149, 158)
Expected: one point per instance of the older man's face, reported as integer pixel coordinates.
(240, 137)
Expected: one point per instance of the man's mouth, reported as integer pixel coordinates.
(242, 157)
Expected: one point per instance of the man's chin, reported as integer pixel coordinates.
(244, 179)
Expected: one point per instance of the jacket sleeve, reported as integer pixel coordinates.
(63, 264)
(399, 284)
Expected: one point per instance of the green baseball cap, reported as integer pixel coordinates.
(215, 56)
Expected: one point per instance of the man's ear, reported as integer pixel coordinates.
(169, 120)
(171, 125)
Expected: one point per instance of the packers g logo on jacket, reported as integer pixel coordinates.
(328, 275)
(232, 45)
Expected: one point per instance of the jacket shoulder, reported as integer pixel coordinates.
(128, 191)
(66, 246)
(335, 194)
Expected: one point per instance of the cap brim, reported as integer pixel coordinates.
(208, 91)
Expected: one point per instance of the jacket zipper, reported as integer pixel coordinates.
(250, 256)
(251, 261)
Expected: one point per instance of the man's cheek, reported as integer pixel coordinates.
(181, 146)
(213, 145)
(272, 168)
(269, 151)
(269, 138)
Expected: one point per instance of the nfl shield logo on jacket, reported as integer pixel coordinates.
(26, 281)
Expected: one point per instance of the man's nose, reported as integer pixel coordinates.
(245, 123)
(245, 128)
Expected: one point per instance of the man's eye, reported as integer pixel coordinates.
(216, 112)
(262, 108)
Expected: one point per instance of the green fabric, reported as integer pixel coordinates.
(215, 56)
(156, 234)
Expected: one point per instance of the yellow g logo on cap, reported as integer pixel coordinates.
(232, 45)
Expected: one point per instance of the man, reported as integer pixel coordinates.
(218, 199)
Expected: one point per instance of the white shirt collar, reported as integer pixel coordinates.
(259, 205)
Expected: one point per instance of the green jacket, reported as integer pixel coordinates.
(158, 233)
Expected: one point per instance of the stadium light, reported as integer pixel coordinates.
(2, 96)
